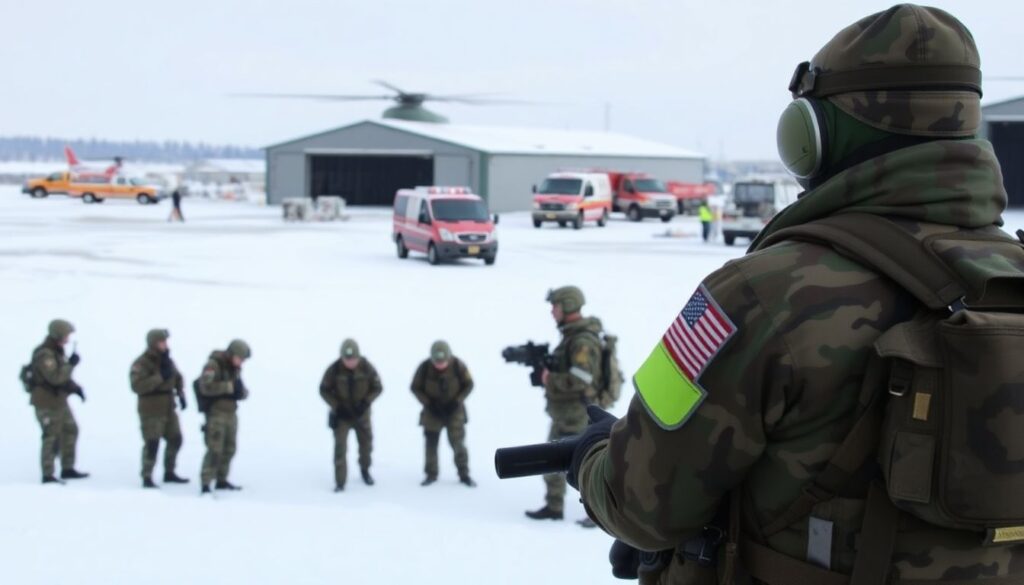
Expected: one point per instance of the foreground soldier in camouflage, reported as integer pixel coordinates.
(220, 388)
(349, 387)
(761, 377)
(572, 386)
(441, 384)
(51, 386)
(157, 381)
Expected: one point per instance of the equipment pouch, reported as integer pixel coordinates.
(952, 445)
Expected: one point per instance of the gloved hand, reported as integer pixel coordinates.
(451, 408)
(76, 389)
(181, 400)
(166, 367)
(625, 560)
(74, 359)
(600, 428)
(344, 412)
(240, 391)
(437, 411)
(360, 409)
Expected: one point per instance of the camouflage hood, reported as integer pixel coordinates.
(949, 182)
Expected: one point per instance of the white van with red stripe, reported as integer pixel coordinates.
(445, 223)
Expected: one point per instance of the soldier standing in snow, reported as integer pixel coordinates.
(157, 381)
(441, 384)
(219, 389)
(349, 387)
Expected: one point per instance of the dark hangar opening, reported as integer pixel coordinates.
(368, 180)
(1008, 140)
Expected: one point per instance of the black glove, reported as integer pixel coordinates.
(74, 359)
(344, 412)
(76, 389)
(360, 409)
(600, 428)
(451, 408)
(166, 367)
(181, 400)
(625, 560)
(240, 392)
(437, 411)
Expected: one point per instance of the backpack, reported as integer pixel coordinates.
(946, 415)
(609, 386)
(27, 377)
(202, 401)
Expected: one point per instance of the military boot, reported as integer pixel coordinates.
(466, 480)
(223, 484)
(545, 513)
(72, 474)
(429, 480)
(205, 489)
(51, 479)
(147, 482)
(367, 478)
(171, 477)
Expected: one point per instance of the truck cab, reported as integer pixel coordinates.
(640, 196)
(52, 184)
(445, 223)
(752, 204)
(573, 198)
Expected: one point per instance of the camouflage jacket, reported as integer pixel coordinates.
(156, 395)
(218, 381)
(52, 374)
(349, 389)
(440, 390)
(766, 409)
(571, 384)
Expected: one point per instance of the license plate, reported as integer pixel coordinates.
(552, 216)
(473, 250)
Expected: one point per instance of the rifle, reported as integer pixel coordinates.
(533, 355)
(556, 457)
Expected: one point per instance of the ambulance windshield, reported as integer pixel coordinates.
(560, 187)
(459, 210)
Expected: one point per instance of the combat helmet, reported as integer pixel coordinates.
(349, 348)
(239, 349)
(59, 329)
(570, 298)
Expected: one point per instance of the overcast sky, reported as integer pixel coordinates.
(707, 75)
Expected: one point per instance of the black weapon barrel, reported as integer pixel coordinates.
(539, 459)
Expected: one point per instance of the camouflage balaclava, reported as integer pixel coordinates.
(893, 79)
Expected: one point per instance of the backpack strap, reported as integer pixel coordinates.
(884, 247)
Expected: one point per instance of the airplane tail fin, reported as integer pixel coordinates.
(70, 155)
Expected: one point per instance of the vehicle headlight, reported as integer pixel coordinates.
(536, 205)
(571, 206)
(446, 235)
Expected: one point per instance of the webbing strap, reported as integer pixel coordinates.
(775, 568)
(877, 539)
(855, 450)
(883, 246)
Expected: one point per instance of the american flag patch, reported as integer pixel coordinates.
(697, 334)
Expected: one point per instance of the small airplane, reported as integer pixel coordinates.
(83, 170)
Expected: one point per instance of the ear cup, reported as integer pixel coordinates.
(802, 138)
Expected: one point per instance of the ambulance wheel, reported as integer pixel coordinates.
(89, 198)
(604, 219)
(432, 255)
(403, 252)
(633, 213)
(578, 222)
(489, 260)
(39, 193)
(144, 199)
(561, 223)
(666, 218)
(537, 223)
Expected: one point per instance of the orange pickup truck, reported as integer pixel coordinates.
(92, 189)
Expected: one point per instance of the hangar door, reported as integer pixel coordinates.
(368, 179)
(1008, 140)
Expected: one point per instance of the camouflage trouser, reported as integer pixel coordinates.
(220, 432)
(562, 426)
(154, 428)
(364, 435)
(60, 435)
(457, 439)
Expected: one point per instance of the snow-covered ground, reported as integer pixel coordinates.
(294, 291)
